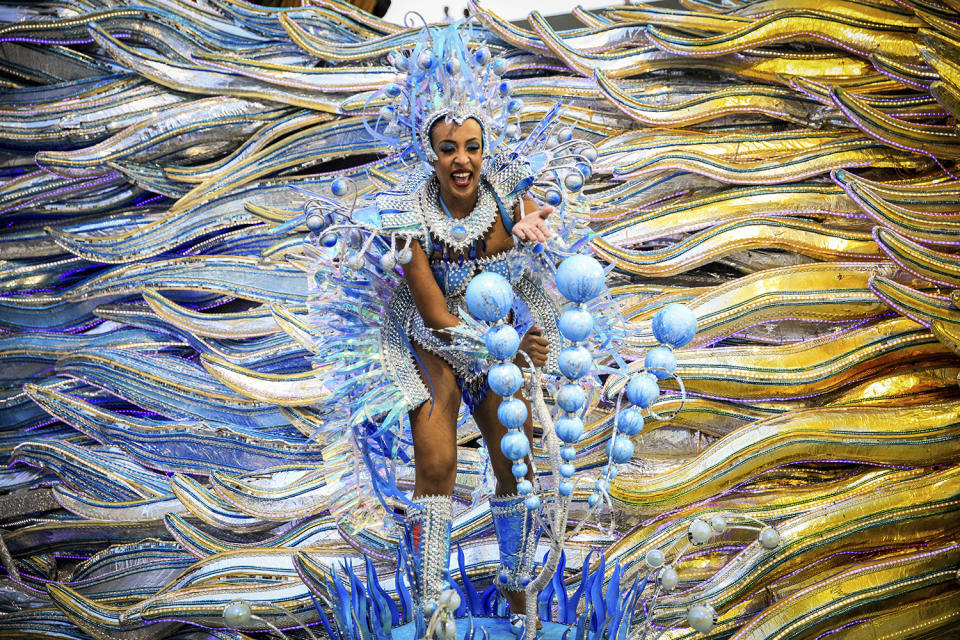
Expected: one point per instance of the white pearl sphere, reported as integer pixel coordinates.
(702, 617)
(769, 538)
(699, 531)
(718, 523)
(405, 256)
(356, 262)
(448, 629)
(654, 558)
(668, 579)
(388, 261)
(237, 613)
(450, 599)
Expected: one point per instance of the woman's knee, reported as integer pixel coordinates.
(437, 468)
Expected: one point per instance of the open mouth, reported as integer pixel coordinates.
(461, 178)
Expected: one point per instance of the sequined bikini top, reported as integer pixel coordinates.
(453, 274)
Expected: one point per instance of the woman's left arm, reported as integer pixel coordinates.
(530, 221)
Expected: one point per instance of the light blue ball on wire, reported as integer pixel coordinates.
(502, 342)
(575, 324)
(565, 487)
(620, 449)
(661, 362)
(574, 362)
(579, 278)
(674, 325)
(532, 502)
(567, 470)
(630, 421)
(512, 413)
(505, 379)
(571, 397)
(514, 445)
(642, 390)
(524, 487)
(519, 470)
(489, 296)
(567, 453)
(569, 428)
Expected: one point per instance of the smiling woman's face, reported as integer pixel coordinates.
(459, 149)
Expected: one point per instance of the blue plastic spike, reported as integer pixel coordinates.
(332, 632)
(473, 598)
(564, 613)
(613, 592)
(543, 602)
(406, 602)
(574, 603)
(489, 600)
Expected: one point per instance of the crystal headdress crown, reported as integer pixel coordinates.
(448, 74)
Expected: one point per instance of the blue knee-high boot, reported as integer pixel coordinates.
(428, 529)
(517, 535)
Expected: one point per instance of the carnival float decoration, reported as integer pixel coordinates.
(750, 431)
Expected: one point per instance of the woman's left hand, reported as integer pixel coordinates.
(532, 226)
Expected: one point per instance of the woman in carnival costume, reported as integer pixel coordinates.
(461, 213)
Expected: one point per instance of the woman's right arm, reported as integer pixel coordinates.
(427, 294)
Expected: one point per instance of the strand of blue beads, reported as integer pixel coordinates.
(579, 279)
(489, 298)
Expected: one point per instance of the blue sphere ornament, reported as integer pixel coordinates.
(489, 296)
(452, 66)
(339, 186)
(519, 470)
(589, 154)
(585, 169)
(524, 487)
(642, 390)
(512, 413)
(564, 487)
(553, 197)
(593, 499)
(674, 325)
(570, 398)
(515, 445)
(620, 449)
(567, 470)
(514, 105)
(568, 453)
(391, 89)
(505, 379)
(569, 428)
(426, 60)
(482, 55)
(499, 66)
(575, 324)
(315, 222)
(630, 421)
(565, 134)
(573, 181)
(504, 88)
(458, 232)
(329, 239)
(532, 502)
(580, 278)
(661, 362)
(502, 342)
(574, 362)
(386, 113)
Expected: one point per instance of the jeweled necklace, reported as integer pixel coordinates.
(460, 233)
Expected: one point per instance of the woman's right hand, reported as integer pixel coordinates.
(534, 345)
